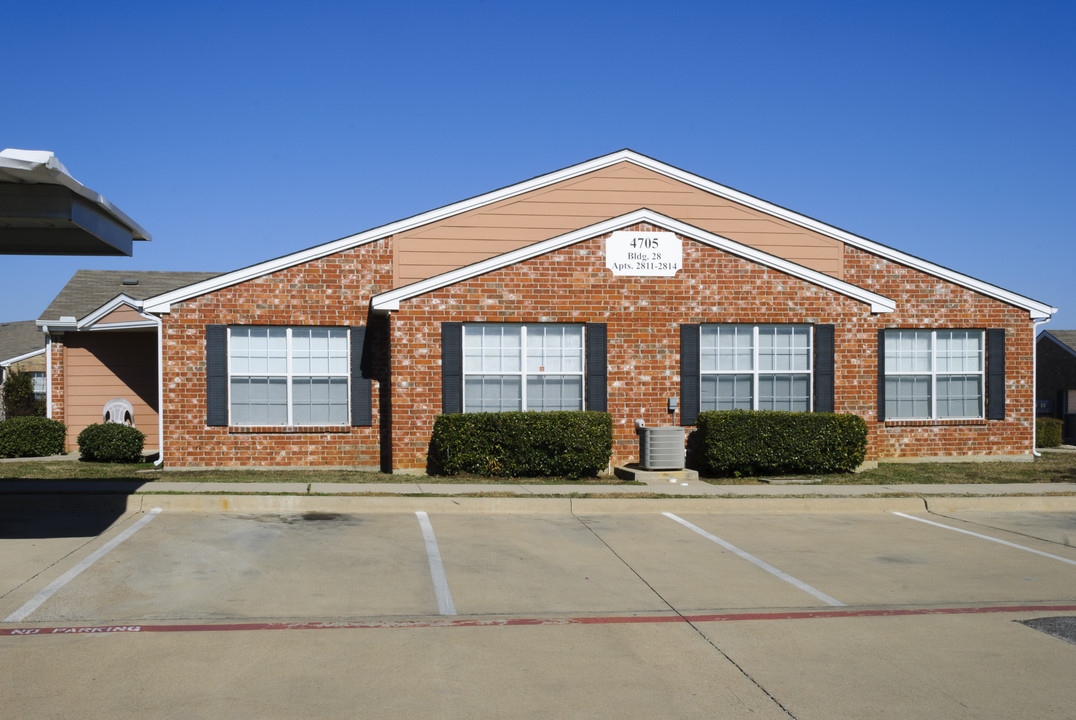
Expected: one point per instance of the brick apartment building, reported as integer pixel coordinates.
(621, 284)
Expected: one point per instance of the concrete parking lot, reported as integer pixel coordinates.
(469, 610)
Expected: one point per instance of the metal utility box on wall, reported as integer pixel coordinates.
(662, 448)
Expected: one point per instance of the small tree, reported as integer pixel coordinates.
(19, 400)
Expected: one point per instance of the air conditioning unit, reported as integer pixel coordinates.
(662, 448)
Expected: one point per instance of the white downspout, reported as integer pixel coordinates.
(1035, 386)
(48, 373)
(160, 390)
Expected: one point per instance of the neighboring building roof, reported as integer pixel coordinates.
(19, 340)
(1065, 338)
(162, 303)
(45, 211)
(88, 290)
(391, 300)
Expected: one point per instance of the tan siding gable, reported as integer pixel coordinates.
(551, 211)
(122, 314)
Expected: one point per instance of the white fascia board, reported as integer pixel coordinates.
(20, 358)
(1035, 308)
(391, 300)
(49, 326)
(160, 303)
(122, 326)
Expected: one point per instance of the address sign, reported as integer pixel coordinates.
(654, 254)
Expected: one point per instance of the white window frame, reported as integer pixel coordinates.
(934, 373)
(40, 383)
(523, 372)
(289, 374)
(755, 372)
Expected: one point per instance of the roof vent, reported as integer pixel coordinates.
(130, 281)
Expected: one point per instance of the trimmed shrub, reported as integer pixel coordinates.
(19, 400)
(1048, 432)
(111, 442)
(522, 444)
(31, 436)
(764, 442)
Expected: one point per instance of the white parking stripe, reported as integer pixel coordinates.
(37, 600)
(755, 561)
(437, 568)
(987, 537)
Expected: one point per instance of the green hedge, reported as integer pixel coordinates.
(111, 442)
(741, 442)
(522, 444)
(1048, 432)
(31, 436)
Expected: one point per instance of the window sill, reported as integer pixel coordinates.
(288, 429)
(925, 423)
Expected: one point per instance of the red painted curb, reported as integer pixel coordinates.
(523, 622)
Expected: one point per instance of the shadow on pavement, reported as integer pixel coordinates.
(45, 516)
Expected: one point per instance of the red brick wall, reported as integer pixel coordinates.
(58, 409)
(924, 301)
(644, 315)
(331, 291)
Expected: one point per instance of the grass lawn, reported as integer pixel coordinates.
(145, 472)
(1052, 467)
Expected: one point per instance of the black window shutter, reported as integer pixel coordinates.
(451, 367)
(881, 375)
(689, 374)
(362, 395)
(216, 381)
(597, 367)
(995, 374)
(823, 368)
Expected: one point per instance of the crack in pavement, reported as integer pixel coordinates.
(686, 619)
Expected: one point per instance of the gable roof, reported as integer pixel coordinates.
(391, 300)
(1065, 338)
(89, 290)
(19, 340)
(162, 302)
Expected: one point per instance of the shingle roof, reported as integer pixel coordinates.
(87, 290)
(1064, 337)
(19, 338)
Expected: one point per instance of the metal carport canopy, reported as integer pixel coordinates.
(45, 211)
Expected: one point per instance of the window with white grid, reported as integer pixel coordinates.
(755, 367)
(934, 374)
(522, 367)
(288, 376)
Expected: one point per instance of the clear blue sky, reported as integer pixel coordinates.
(240, 131)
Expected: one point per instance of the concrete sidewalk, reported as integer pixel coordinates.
(693, 488)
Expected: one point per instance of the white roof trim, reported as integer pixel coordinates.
(20, 358)
(90, 321)
(116, 303)
(161, 303)
(391, 300)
